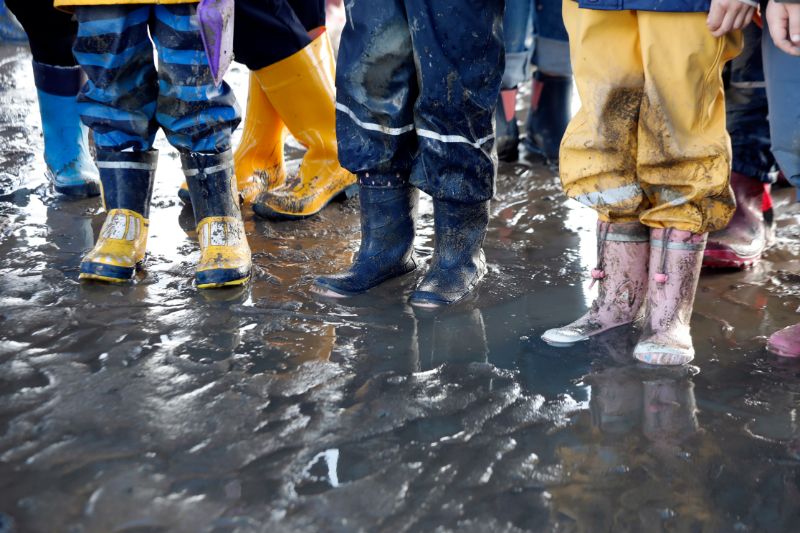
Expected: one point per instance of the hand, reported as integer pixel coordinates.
(784, 26)
(728, 15)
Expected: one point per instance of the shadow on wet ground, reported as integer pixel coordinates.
(156, 407)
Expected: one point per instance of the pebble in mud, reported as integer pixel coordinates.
(158, 407)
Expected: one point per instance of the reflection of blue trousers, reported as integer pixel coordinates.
(126, 99)
(550, 47)
(417, 84)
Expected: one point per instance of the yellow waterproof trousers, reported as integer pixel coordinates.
(649, 142)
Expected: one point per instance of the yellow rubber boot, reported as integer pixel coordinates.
(258, 160)
(225, 259)
(301, 88)
(127, 185)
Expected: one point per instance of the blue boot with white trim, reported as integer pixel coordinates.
(70, 167)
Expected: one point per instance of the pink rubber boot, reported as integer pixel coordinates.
(785, 342)
(675, 260)
(746, 237)
(622, 254)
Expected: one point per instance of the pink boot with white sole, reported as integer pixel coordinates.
(622, 255)
(785, 342)
(676, 257)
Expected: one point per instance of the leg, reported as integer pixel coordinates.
(598, 165)
(118, 103)
(683, 164)
(551, 102)
(198, 118)
(516, 29)
(745, 238)
(376, 88)
(58, 79)
(275, 25)
(310, 13)
(598, 152)
(453, 118)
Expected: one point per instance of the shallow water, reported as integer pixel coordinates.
(156, 407)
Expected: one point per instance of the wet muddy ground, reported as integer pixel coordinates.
(156, 407)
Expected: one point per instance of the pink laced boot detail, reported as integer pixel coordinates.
(621, 273)
(675, 260)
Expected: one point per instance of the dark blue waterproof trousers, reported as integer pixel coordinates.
(127, 98)
(417, 84)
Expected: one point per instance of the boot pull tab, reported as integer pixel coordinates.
(661, 276)
(599, 272)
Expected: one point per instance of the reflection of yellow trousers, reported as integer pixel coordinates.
(649, 142)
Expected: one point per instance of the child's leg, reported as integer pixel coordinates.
(598, 152)
(118, 103)
(376, 88)
(684, 155)
(198, 118)
(598, 165)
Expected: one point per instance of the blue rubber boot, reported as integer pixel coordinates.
(10, 30)
(225, 258)
(550, 113)
(70, 167)
(458, 262)
(388, 217)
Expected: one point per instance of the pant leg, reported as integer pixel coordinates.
(376, 87)
(516, 29)
(51, 33)
(268, 31)
(684, 154)
(551, 52)
(598, 151)
(460, 61)
(783, 91)
(119, 100)
(196, 115)
(746, 109)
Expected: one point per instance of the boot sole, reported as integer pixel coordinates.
(84, 190)
(728, 259)
(782, 353)
(107, 273)
(219, 278)
(328, 291)
(269, 213)
(565, 344)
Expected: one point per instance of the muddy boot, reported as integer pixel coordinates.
(623, 251)
(224, 253)
(675, 260)
(301, 88)
(258, 160)
(507, 136)
(745, 238)
(70, 167)
(785, 342)
(127, 179)
(388, 217)
(458, 262)
(551, 110)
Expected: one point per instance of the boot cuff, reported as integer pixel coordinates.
(58, 81)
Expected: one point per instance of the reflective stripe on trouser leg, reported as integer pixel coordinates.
(376, 84)
(460, 62)
(196, 115)
(684, 152)
(119, 100)
(598, 151)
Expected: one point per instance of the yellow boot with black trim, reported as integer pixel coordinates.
(258, 161)
(301, 88)
(126, 180)
(225, 258)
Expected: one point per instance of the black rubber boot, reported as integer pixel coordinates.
(388, 217)
(507, 131)
(458, 262)
(551, 110)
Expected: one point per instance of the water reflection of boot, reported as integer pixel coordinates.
(616, 403)
(670, 411)
(455, 338)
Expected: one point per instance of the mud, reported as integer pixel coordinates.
(156, 407)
